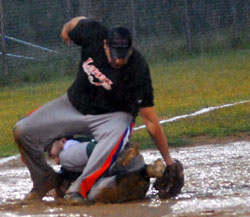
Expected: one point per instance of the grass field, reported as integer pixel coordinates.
(182, 85)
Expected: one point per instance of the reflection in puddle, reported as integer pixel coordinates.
(217, 183)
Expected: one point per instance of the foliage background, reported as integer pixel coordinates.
(161, 28)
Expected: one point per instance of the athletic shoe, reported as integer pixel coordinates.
(62, 188)
(37, 193)
(75, 198)
(34, 195)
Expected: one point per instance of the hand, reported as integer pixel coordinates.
(169, 161)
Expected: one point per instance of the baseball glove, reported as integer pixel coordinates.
(172, 181)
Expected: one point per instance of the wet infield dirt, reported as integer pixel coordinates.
(217, 183)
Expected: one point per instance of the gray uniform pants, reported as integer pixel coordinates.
(58, 119)
(75, 158)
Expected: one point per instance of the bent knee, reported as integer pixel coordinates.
(19, 133)
(16, 133)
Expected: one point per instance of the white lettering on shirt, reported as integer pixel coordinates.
(94, 73)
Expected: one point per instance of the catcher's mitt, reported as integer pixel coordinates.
(172, 181)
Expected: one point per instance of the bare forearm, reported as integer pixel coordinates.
(157, 134)
(155, 130)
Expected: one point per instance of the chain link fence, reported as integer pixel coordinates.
(32, 50)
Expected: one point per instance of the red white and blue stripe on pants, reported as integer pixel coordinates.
(90, 180)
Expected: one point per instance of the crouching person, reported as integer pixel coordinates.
(72, 155)
(128, 179)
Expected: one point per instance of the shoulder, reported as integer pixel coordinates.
(139, 63)
(70, 143)
(91, 26)
(88, 31)
(138, 59)
(137, 72)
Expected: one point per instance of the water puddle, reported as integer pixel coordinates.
(217, 183)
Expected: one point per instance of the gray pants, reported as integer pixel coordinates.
(58, 119)
(75, 158)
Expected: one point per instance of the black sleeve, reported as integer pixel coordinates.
(147, 99)
(88, 32)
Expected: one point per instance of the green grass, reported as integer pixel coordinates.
(16, 102)
(219, 123)
(188, 84)
(182, 85)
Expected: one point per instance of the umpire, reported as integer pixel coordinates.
(112, 86)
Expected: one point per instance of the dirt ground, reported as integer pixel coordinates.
(205, 140)
(217, 183)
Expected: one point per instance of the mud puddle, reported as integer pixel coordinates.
(217, 184)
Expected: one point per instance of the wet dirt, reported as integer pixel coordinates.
(217, 183)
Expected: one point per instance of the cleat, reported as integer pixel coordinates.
(39, 192)
(34, 195)
(74, 198)
(62, 188)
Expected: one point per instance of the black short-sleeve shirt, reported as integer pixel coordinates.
(98, 88)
